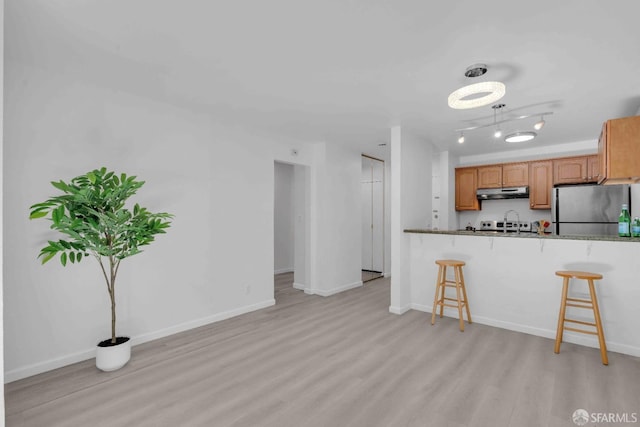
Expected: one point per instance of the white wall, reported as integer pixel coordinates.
(1, 215)
(283, 218)
(302, 226)
(338, 205)
(533, 153)
(387, 218)
(218, 183)
(217, 180)
(411, 188)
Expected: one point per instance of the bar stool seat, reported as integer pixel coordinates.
(589, 304)
(458, 283)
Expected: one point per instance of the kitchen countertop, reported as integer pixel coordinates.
(522, 235)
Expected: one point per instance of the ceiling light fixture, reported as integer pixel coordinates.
(475, 70)
(489, 91)
(477, 94)
(497, 133)
(520, 136)
(539, 124)
(461, 138)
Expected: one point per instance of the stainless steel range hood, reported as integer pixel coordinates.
(502, 193)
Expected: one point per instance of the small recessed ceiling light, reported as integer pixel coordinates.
(461, 139)
(520, 136)
(497, 133)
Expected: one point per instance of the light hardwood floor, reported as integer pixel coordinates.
(343, 360)
(370, 275)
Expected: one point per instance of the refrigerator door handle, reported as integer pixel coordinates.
(554, 214)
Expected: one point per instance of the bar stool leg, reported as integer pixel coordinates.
(456, 271)
(443, 288)
(563, 309)
(596, 314)
(464, 294)
(435, 298)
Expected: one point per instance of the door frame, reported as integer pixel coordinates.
(382, 208)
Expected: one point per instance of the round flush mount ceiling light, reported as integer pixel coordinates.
(520, 136)
(476, 95)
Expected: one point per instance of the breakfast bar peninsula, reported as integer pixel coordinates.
(511, 282)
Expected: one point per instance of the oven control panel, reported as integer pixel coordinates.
(510, 226)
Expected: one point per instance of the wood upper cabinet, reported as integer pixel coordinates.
(490, 176)
(593, 166)
(540, 184)
(504, 175)
(515, 174)
(570, 170)
(466, 186)
(576, 170)
(619, 151)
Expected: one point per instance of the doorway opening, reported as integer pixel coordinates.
(291, 237)
(372, 218)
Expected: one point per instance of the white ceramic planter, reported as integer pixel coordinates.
(113, 357)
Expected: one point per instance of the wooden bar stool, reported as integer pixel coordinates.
(590, 304)
(461, 292)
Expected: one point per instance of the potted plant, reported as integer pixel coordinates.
(91, 213)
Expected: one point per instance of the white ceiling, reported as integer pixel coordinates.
(344, 71)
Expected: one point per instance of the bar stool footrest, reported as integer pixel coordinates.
(567, 328)
(581, 322)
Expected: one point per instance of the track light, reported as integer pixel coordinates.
(508, 135)
(498, 132)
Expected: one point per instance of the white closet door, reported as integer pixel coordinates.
(377, 220)
(367, 242)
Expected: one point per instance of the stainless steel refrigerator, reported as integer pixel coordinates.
(588, 210)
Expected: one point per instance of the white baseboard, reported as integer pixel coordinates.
(38, 368)
(299, 286)
(399, 310)
(568, 336)
(329, 292)
(201, 322)
(283, 270)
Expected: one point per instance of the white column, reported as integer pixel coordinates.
(400, 289)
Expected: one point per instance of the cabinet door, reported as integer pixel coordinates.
(540, 184)
(466, 186)
(571, 170)
(622, 150)
(490, 176)
(593, 166)
(515, 174)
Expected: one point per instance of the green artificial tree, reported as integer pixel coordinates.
(91, 213)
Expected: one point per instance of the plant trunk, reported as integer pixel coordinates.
(112, 294)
